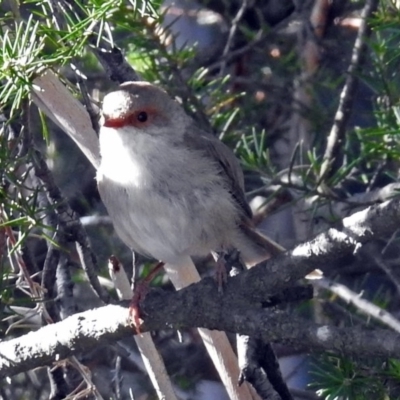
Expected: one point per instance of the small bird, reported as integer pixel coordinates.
(172, 190)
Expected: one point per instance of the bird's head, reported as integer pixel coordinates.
(143, 107)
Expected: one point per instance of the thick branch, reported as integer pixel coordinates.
(236, 310)
(90, 329)
(320, 253)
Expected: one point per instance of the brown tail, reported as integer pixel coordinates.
(255, 247)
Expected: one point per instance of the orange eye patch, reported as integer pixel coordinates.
(137, 119)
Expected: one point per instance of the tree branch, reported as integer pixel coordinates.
(237, 310)
(364, 306)
(85, 331)
(336, 136)
(114, 63)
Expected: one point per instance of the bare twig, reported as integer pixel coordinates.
(35, 291)
(269, 362)
(114, 63)
(232, 33)
(260, 35)
(58, 386)
(70, 224)
(65, 296)
(365, 306)
(151, 357)
(250, 370)
(337, 134)
(257, 361)
(48, 277)
(310, 32)
(86, 375)
(390, 271)
(93, 113)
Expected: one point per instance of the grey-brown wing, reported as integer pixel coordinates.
(225, 158)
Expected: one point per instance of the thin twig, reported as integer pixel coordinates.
(86, 375)
(65, 295)
(72, 226)
(152, 359)
(114, 63)
(93, 114)
(365, 306)
(36, 291)
(338, 131)
(49, 275)
(390, 271)
(232, 33)
(260, 35)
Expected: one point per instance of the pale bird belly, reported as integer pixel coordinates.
(166, 227)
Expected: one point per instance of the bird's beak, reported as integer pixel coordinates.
(106, 122)
(112, 122)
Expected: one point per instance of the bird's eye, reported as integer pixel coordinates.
(142, 116)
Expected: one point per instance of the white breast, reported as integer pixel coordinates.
(164, 201)
(117, 162)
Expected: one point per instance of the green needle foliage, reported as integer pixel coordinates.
(61, 36)
(339, 378)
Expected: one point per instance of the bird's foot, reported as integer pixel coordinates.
(221, 273)
(140, 292)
